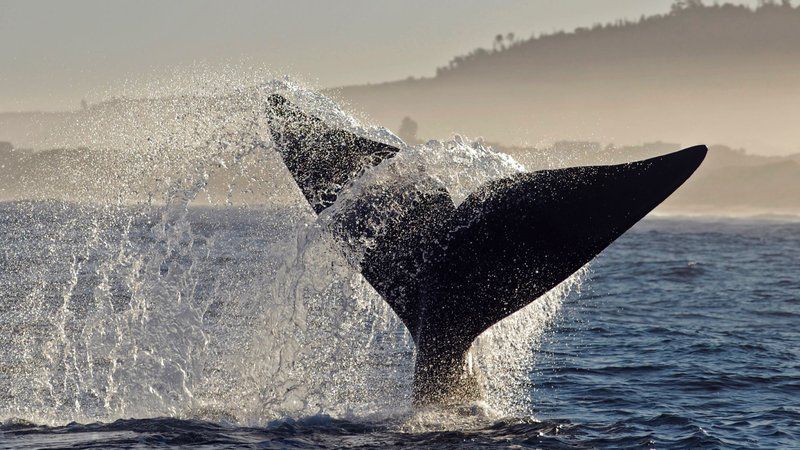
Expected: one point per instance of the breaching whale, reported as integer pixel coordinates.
(450, 272)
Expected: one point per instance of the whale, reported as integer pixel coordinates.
(451, 272)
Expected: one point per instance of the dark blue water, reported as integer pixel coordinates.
(684, 336)
(688, 338)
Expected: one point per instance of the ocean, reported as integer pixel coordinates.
(234, 327)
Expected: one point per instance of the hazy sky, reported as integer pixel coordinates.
(53, 53)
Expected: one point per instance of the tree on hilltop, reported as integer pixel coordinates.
(408, 130)
(680, 5)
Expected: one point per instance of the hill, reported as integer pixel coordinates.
(720, 73)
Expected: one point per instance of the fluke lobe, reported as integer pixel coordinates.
(452, 272)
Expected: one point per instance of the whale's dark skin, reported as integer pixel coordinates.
(452, 272)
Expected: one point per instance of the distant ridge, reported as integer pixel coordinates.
(702, 34)
(730, 182)
(723, 73)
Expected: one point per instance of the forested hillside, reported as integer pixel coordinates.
(713, 74)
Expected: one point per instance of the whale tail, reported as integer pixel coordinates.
(452, 272)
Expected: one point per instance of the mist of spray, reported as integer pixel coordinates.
(177, 271)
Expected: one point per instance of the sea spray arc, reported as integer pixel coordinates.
(452, 272)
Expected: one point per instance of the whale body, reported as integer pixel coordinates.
(449, 272)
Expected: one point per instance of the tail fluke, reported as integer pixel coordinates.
(519, 237)
(450, 273)
(321, 159)
(516, 238)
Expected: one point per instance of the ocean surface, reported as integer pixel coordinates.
(117, 331)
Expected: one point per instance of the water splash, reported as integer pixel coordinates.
(177, 271)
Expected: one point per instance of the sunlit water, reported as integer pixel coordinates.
(183, 293)
(685, 335)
